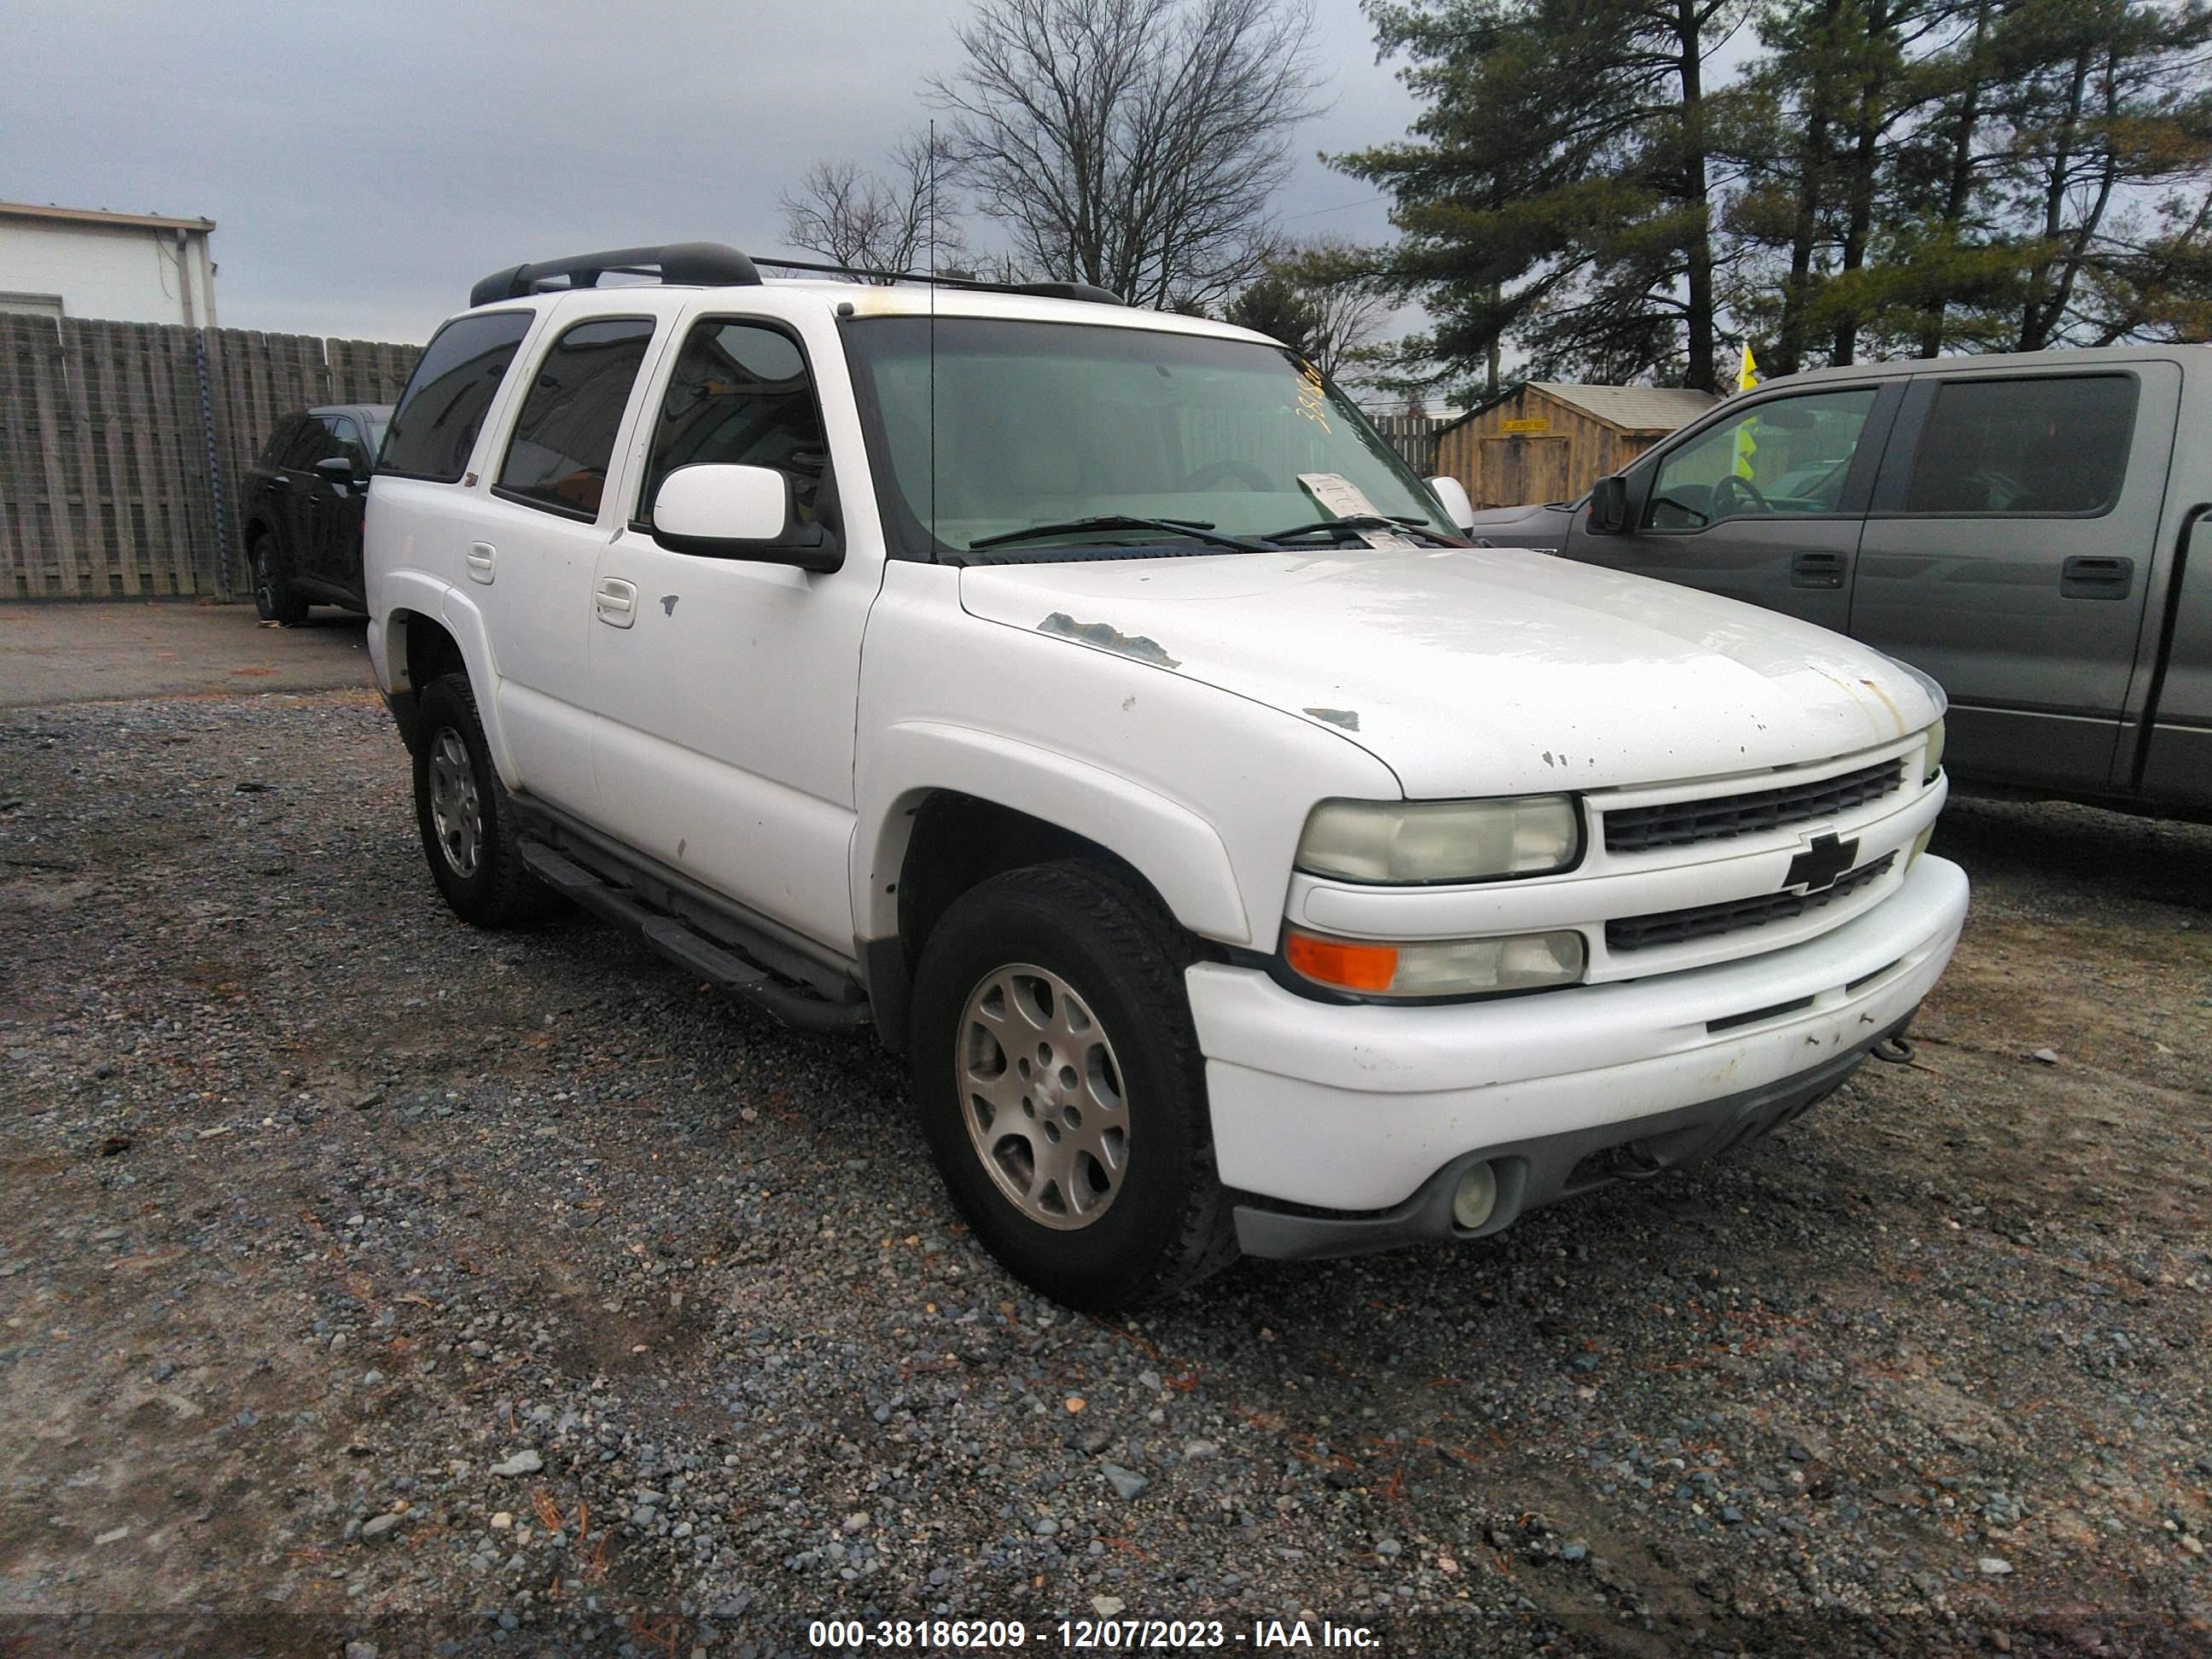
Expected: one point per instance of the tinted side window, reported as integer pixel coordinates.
(280, 440)
(741, 396)
(434, 426)
(347, 432)
(309, 444)
(565, 436)
(1790, 455)
(2053, 445)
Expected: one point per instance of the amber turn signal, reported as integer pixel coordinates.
(1340, 963)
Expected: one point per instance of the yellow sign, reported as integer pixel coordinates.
(1536, 424)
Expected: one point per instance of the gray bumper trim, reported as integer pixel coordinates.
(1535, 1172)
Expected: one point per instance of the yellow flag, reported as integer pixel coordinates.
(1746, 376)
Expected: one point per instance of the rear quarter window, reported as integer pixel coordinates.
(435, 425)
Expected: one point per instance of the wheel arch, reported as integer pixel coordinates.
(972, 805)
(423, 636)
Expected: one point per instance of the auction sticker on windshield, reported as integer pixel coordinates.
(1337, 494)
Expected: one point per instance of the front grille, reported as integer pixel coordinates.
(1718, 817)
(1704, 920)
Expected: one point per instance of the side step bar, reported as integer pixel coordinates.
(688, 948)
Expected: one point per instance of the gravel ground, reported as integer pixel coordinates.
(370, 1282)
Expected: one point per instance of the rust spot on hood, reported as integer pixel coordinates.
(1107, 637)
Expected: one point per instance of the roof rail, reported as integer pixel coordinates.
(1044, 290)
(699, 264)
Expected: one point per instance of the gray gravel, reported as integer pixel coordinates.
(364, 1279)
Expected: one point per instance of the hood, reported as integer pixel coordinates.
(1471, 672)
(1544, 527)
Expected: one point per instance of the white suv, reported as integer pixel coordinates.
(1090, 701)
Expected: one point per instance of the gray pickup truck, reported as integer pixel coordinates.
(2024, 529)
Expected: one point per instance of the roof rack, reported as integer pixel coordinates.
(711, 264)
(1084, 291)
(693, 265)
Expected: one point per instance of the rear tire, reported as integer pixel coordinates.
(1061, 1088)
(273, 598)
(467, 820)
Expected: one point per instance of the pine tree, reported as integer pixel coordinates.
(1558, 186)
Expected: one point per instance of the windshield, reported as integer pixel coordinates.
(1039, 423)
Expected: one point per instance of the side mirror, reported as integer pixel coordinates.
(1608, 507)
(341, 469)
(1459, 511)
(721, 511)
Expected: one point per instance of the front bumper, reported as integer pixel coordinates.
(1363, 1111)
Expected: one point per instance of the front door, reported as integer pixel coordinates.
(334, 510)
(1764, 506)
(2009, 554)
(727, 688)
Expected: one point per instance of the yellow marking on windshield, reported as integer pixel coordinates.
(1313, 396)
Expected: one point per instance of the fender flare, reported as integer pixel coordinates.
(403, 593)
(1170, 846)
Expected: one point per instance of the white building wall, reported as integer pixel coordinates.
(132, 273)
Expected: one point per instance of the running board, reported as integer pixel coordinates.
(688, 948)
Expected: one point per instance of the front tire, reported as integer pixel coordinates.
(467, 821)
(1061, 1089)
(273, 598)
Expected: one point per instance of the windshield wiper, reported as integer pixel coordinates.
(1197, 529)
(1366, 521)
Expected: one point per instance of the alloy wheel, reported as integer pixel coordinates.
(456, 813)
(1041, 1092)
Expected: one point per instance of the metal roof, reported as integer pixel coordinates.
(1631, 407)
(99, 217)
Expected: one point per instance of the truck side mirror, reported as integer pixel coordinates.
(1608, 507)
(718, 510)
(1459, 510)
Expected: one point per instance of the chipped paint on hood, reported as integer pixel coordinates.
(1474, 671)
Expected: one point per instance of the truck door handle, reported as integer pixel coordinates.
(1826, 570)
(615, 601)
(480, 558)
(2094, 577)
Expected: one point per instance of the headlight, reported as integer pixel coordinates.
(1934, 763)
(1405, 843)
(1436, 968)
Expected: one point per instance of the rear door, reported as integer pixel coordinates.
(2008, 553)
(1764, 505)
(547, 520)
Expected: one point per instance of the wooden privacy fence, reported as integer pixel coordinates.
(1413, 436)
(123, 446)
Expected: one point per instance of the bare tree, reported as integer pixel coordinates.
(853, 216)
(1350, 305)
(1134, 144)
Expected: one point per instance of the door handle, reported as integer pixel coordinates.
(2094, 577)
(480, 558)
(1822, 570)
(614, 601)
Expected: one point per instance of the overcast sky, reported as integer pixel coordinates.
(366, 163)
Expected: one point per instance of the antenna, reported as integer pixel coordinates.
(933, 336)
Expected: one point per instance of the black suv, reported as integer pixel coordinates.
(303, 507)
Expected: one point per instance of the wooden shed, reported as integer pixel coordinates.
(1545, 440)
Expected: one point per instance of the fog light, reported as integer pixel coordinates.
(1476, 1197)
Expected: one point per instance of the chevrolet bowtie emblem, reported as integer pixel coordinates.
(1824, 859)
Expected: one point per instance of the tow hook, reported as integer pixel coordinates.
(1896, 1049)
